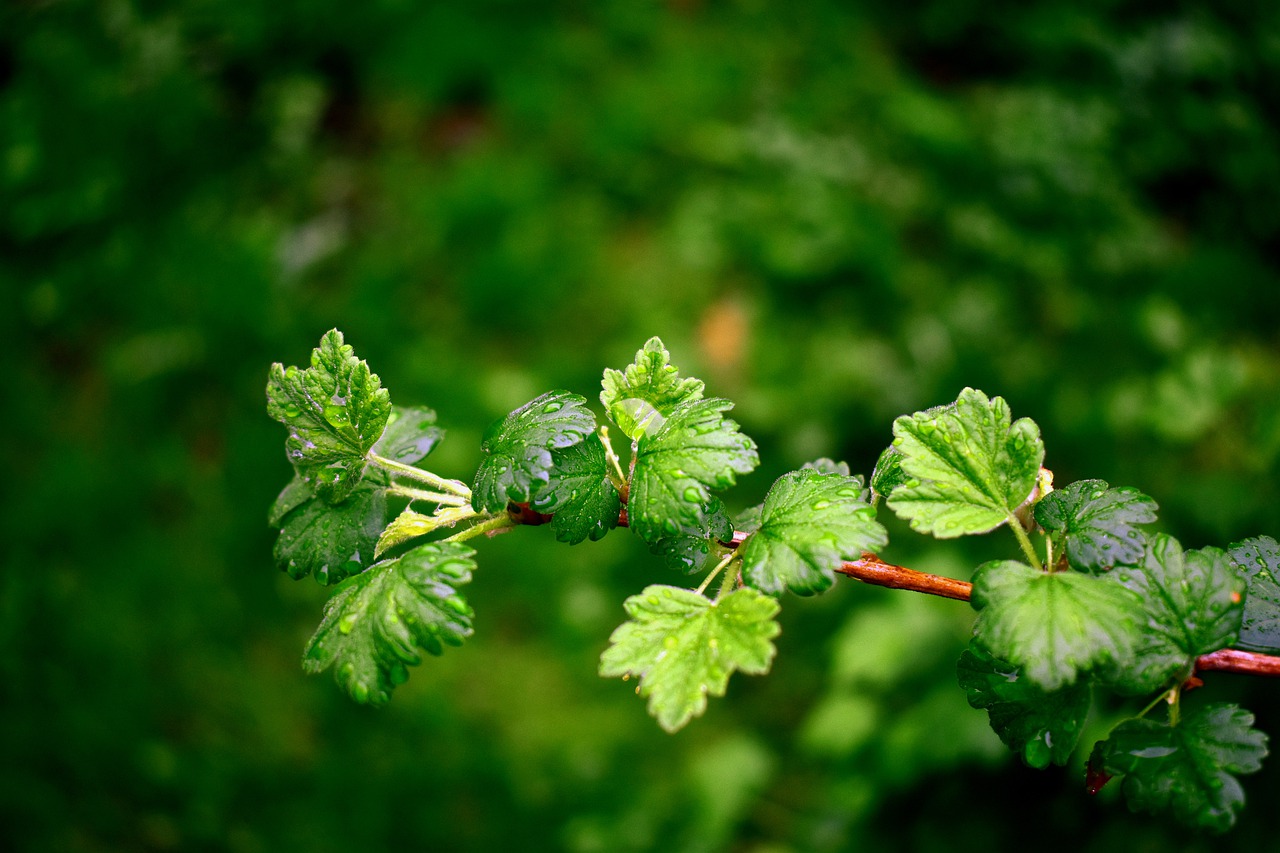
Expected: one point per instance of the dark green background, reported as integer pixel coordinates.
(834, 213)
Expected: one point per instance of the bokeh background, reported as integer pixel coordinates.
(834, 213)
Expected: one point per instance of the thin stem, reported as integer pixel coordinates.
(422, 495)
(1175, 697)
(433, 480)
(489, 525)
(612, 457)
(728, 558)
(1162, 697)
(730, 579)
(1025, 542)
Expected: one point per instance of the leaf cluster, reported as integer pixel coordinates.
(1101, 605)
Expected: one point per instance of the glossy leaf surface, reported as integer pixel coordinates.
(683, 647)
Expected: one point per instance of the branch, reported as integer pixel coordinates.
(871, 569)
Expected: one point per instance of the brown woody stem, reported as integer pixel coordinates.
(871, 569)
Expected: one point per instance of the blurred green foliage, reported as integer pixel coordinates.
(834, 213)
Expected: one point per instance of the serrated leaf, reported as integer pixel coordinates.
(696, 450)
(579, 496)
(411, 434)
(887, 474)
(810, 524)
(1188, 769)
(378, 623)
(518, 462)
(643, 395)
(1054, 626)
(683, 647)
(748, 521)
(824, 465)
(969, 466)
(691, 550)
(1193, 605)
(1258, 560)
(335, 411)
(1095, 523)
(294, 495)
(1041, 726)
(328, 541)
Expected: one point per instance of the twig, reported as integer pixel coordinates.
(871, 569)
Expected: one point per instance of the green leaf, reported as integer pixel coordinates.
(410, 524)
(1043, 726)
(335, 411)
(378, 623)
(640, 398)
(1095, 523)
(410, 435)
(1056, 625)
(969, 467)
(695, 451)
(810, 524)
(1187, 769)
(824, 465)
(888, 474)
(1258, 560)
(684, 647)
(1193, 603)
(519, 447)
(294, 495)
(690, 551)
(582, 501)
(328, 541)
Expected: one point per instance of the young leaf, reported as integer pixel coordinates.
(335, 411)
(823, 465)
(1043, 726)
(378, 622)
(518, 447)
(410, 435)
(410, 524)
(579, 496)
(1187, 769)
(689, 551)
(641, 397)
(810, 524)
(695, 451)
(1055, 625)
(888, 474)
(969, 467)
(1193, 603)
(328, 541)
(684, 647)
(1095, 523)
(1258, 560)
